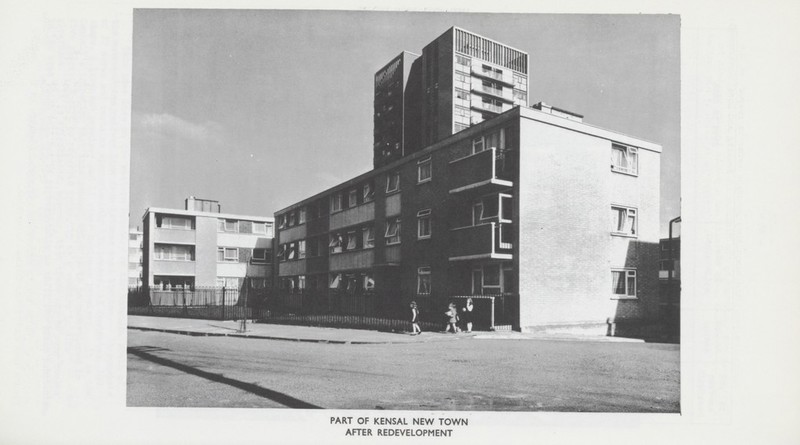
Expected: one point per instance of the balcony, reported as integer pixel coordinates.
(484, 106)
(491, 240)
(478, 69)
(498, 93)
(486, 171)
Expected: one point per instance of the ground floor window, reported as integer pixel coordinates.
(164, 282)
(424, 280)
(623, 283)
(229, 282)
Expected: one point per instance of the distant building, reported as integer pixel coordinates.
(135, 237)
(460, 80)
(200, 246)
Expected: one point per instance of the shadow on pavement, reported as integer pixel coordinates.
(275, 396)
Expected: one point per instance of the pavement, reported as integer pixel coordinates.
(266, 331)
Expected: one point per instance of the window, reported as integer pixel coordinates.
(369, 282)
(392, 231)
(132, 237)
(352, 198)
(477, 145)
(336, 243)
(260, 228)
(623, 283)
(369, 193)
(424, 224)
(336, 202)
(228, 254)
(393, 182)
(282, 221)
(259, 256)
(369, 237)
(424, 280)
(623, 221)
(301, 215)
(231, 225)
(424, 170)
(351, 240)
(624, 159)
(173, 252)
(173, 222)
(301, 249)
(228, 282)
(291, 251)
(336, 281)
(258, 283)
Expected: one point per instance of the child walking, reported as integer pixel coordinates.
(415, 319)
(452, 313)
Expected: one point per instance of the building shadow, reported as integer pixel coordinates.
(645, 317)
(275, 396)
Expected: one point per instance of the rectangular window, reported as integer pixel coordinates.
(624, 159)
(393, 182)
(424, 224)
(259, 256)
(172, 252)
(301, 215)
(231, 225)
(336, 243)
(291, 251)
(424, 170)
(258, 283)
(369, 193)
(335, 281)
(301, 249)
(351, 240)
(623, 283)
(173, 222)
(227, 254)
(336, 202)
(424, 280)
(623, 221)
(369, 237)
(392, 231)
(506, 206)
(369, 282)
(281, 221)
(477, 145)
(352, 198)
(260, 228)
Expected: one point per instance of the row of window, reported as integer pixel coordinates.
(179, 252)
(176, 283)
(351, 282)
(223, 225)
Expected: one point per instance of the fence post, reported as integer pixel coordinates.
(491, 327)
(223, 303)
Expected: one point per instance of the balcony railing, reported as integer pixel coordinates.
(490, 240)
(490, 168)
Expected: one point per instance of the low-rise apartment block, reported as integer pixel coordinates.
(553, 219)
(199, 246)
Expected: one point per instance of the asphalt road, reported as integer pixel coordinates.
(170, 370)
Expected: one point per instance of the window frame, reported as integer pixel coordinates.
(394, 238)
(627, 273)
(225, 258)
(389, 178)
(368, 193)
(423, 165)
(423, 220)
(336, 203)
(368, 241)
(352, 198)
(259, 259)
(424, 271)
(634, 233)
(632, 167)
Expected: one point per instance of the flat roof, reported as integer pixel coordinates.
(518, 112)
(208, 214)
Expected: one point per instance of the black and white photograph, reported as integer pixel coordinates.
(405, 211)
(409, 222)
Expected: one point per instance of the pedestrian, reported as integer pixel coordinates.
(466, 315)
(452, 318)
(415, 319)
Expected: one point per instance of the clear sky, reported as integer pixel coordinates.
(260, 109)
